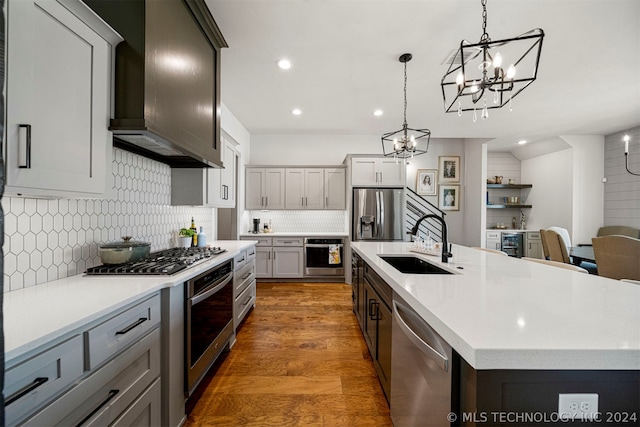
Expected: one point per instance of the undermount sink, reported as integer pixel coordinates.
(413, 265)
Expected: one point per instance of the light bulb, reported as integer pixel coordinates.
(626, 144)
(460, 80)
(511, 72)
(474, 87)
(497, 60)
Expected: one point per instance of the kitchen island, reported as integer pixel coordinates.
(523, 332)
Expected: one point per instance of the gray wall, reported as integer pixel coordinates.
(622, 190)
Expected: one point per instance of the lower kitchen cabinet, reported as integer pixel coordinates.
(279, 257)
(533, 248)
(244, 285)
(377, 325)
(493, 240)
(119, 376)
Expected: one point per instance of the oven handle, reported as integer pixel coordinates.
(313, 245)
(211, 290)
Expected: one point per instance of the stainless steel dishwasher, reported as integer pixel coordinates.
(421, 371)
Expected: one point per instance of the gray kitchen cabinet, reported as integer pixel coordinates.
(377, 172)
(244, 285)
(210, 187)
(265, 188)
(493, 240)
(304, 188)
(335, 188)
(533, 246)
(121, 363)
(279, 257)
(58, 94)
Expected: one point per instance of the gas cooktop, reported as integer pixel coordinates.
(165, 262)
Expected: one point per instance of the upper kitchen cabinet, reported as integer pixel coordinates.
(58, 94)
(304, 188)
(377, 172)
(167, 81)
(335, 188)
(265, 188)
(210, 187)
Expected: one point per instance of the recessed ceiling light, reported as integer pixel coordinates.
(296, 112)
(522, 142)
(378, 113)
(284, 64)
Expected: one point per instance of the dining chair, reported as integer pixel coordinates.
(557, 264)
(619, 230)
(545, 248)
(555, 246)
(495, 251)
(617, 257)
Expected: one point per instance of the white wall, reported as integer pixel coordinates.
(475, 154)
(552, 192)
(588, 189)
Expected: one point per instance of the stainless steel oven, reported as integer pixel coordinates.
(323, 257)
(208, 320)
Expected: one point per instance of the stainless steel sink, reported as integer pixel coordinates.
(413, 265)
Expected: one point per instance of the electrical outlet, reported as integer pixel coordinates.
(578, 406)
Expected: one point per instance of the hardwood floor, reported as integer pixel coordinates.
(299, 360)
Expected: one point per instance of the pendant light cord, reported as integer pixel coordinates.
(485, 35)
(404, 125)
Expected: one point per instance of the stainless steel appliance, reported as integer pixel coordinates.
(165, 262)
(319, 260)
(377, 214)
(208, 320)
(513, 244)
(421, 371)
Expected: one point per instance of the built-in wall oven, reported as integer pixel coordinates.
(208, 320)
(323, 257)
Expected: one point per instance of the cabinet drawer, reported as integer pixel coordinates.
(145, 412)
(287, 241)
(243, 278)
(251, 253)
(244, 303)
(262, 241)
(103, 396)
(240, 261)
(493, 234)
(33, 382)
(120, 331)
(533, 235)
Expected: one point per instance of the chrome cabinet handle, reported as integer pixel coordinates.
(245, 276)
(27, 155)
(112, 394)
(26, 390)
(248, 300)
(140, 321)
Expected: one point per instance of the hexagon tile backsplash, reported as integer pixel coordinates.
(47, 239)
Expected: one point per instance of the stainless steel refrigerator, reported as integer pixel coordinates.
(377, 214)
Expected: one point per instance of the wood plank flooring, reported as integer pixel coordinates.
(299, 360)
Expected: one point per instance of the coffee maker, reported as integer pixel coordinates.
(256, 226)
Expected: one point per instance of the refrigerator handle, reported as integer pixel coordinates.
(381, 219)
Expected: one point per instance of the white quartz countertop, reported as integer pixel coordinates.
(296, 234)
(506, 313)
(36, 315)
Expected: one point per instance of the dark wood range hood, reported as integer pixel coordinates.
(167, 80)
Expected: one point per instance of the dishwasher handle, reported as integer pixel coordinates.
(426, 348)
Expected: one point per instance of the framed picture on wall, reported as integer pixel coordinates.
(426, 184)
(449, 167)
(449, 197)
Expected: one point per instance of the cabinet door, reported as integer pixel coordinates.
(274, 188)
(335, 189)
(534, 245)
(363, 172)
(263, 262)
(228, 175)
(314, 188)
(58, 95)
(254, 191)
(392, 172)
(369, 316)
(294, 198)
(288, 262)
(384, 347)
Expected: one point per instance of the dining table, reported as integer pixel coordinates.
(581, 253)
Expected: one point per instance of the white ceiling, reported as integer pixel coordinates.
(345, 65)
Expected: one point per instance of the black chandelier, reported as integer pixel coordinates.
(626, 139)
(406, 142)
(477, 71)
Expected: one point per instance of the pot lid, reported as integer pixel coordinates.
(126, 243)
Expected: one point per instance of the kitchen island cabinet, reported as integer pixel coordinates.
(515, 346)
(59, 71)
